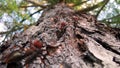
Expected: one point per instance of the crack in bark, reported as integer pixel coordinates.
(106, 46)
(116, 60)
(90, 57)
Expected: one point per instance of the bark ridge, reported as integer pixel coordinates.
(69, 40)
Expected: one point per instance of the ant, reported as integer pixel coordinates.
(35, 50)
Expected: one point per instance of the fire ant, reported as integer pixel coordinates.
(62, 25)
(75, 18)
(29, 52)
(35, 50)
(61, 30)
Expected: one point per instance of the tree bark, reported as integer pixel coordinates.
(69, 40)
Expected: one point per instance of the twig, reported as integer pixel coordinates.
(14, 27)
(34, 3)
(30, 15)
(28, 6)
(80, 3)
(90, 8)
(111, 17)
(106, 1)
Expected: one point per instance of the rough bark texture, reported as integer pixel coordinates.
(69, 40)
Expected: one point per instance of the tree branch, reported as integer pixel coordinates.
(111, 17)
(30, 15)
(35, 3)
(90, 8)
(14, 27)
(106, 1)
(28, 6)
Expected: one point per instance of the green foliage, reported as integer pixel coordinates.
(9, 6)
(111, 14)
(74, 1)
(17, 14)
(53, 2)
(117, 1)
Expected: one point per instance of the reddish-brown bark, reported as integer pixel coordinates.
(66, 40)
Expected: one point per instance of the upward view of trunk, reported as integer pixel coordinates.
(63, 38)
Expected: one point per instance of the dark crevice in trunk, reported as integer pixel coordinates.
(79, 36)
(86, 31)
(117, 36)
(90, 32)
(106, 46)
(91, 58)
(3, 47)
(116, 60)
(15, 65)
(82, 48)
(100, 33)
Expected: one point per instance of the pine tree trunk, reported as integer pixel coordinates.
(69, 40)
